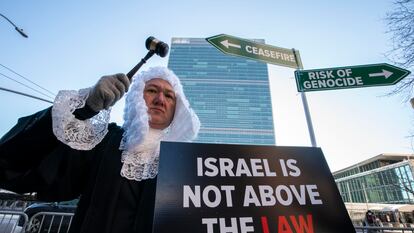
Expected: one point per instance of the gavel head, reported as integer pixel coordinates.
(159, 47)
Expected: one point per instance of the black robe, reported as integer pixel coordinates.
(33, 160)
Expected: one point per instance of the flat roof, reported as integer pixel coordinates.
(385, 156)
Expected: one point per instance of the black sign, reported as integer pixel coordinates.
(211, 188)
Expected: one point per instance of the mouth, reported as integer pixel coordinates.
(157, 110)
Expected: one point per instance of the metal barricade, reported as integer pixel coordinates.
(12, 205)
(377, 229)
(12, 221)
(49, 222)
(15, 202)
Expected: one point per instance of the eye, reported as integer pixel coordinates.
(170, 96)
(151, 90)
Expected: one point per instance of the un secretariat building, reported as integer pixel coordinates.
(231, 95)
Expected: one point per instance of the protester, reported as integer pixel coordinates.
(70, 151)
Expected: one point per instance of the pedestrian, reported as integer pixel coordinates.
(370, 221)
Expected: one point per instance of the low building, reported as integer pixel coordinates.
(385, 178)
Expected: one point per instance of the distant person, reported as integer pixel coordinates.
(370, 221)
(70, 151)
(378, 222)
(369, 216)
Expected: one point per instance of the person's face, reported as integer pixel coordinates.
(160, 99)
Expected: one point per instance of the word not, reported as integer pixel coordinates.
(211, 195)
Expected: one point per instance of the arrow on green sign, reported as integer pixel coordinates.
(349, 77)
(250, 49)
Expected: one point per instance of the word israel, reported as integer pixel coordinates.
(330, 78)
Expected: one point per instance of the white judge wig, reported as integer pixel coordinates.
(184, 126)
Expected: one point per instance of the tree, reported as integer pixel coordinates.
(400, 22)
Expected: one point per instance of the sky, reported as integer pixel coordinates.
(71, 44)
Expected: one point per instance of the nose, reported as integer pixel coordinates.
(159, 99)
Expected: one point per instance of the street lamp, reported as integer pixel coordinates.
(19, 30)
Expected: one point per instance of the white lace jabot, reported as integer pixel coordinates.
(141, 162)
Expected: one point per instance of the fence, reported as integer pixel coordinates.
(49, 222)
(12, 221)
(372, 229)
(54, 222)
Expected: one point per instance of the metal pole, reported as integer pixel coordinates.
(305, 104)
(19, 30)
(365, 194)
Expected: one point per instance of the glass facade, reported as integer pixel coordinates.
(390, 184)
(366, 167)
(231, 95)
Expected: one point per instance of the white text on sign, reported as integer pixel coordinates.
(252, 195)
(331, 79)
(270, 53)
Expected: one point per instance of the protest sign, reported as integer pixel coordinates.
(212, 188)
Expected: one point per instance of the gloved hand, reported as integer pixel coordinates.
(107, 91)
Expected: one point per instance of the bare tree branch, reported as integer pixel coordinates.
(400, 22)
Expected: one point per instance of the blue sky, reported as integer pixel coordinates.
(72, 44)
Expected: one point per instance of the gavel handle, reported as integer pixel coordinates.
(134, 70)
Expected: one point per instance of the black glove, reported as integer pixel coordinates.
(107, 91)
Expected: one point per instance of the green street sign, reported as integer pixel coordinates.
(254, 50)
(349, 77)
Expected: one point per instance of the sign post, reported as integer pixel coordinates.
(349, 77)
